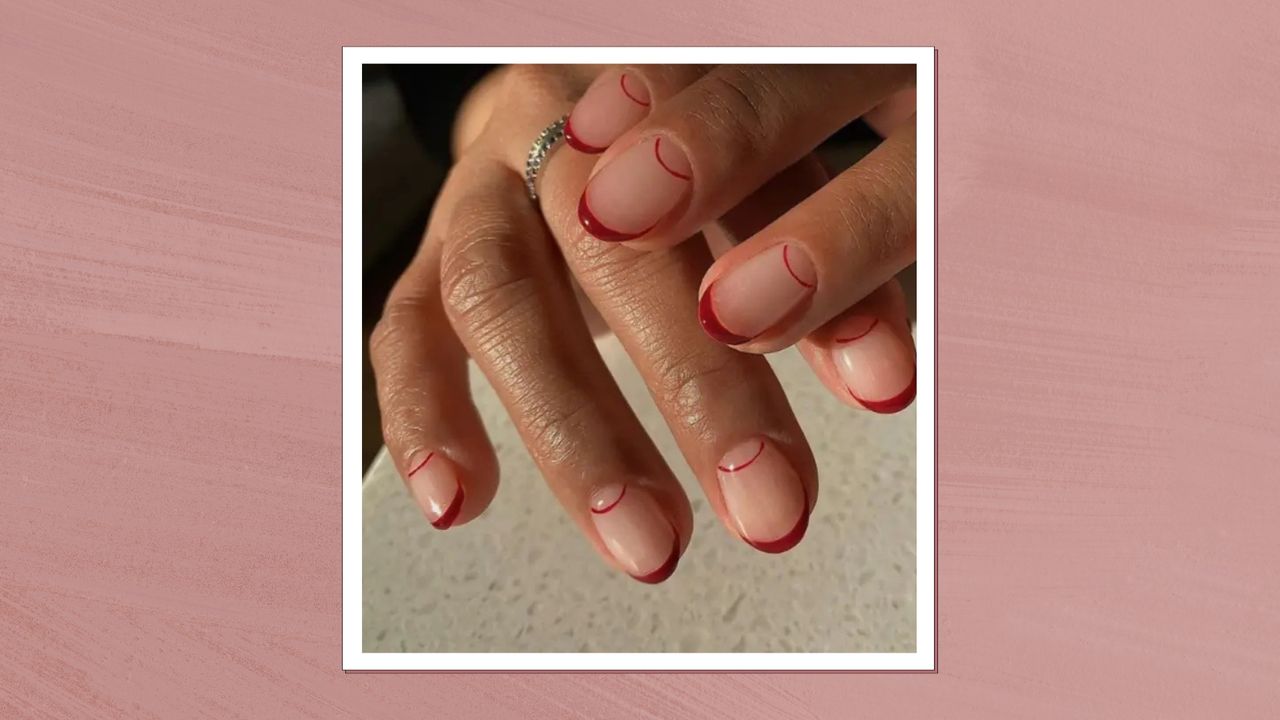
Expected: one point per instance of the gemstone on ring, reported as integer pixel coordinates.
(542, 146)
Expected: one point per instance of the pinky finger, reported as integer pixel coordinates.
(866, 355)
(429, 422)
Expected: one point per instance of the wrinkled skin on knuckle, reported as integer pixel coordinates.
(740, 106)
(555, 422)
(623, 275)
(486, 276)
(539, 85)
(877, 208)
(687, 379)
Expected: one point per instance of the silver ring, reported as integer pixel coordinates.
(542, 146)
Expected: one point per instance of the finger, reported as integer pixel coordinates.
(821, 257)
(621, 97)
(781, 193)
(510, 302)
(726, 410)
(866, 356)
(712, 145)
(429, 422)
(895, 110)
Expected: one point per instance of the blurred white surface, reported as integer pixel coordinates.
(521, 578)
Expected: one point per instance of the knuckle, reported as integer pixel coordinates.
(534, 83)
(877, 207)
(741, 105)
(485, 272)
(398, 318)
(683, 381)
(555, 426)
(622, 275)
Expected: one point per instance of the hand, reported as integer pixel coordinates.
(491, 281)
(818, 272)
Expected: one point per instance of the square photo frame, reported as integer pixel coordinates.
(924, 658)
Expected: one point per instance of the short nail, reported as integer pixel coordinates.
(613, 104)
(876, 364)
(436, 485)
(766, 500)
(756, 295)
(636, 531)
(635, 190)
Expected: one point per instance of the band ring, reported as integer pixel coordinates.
(542, 147)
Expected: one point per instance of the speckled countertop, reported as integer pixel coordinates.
(521, 579)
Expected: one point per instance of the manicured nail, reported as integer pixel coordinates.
(639, 187)
(767, 502)
(636, 531)
(613, 104)
(876, 364)
(436, 485)
(758, 294)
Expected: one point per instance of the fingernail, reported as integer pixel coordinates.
(636, 531)
(613, 104)
(436, 486)
(756, 295)
(876, 364)
(631, 194)
(767, 502)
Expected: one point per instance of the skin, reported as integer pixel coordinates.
(501, 282)
(739, 126)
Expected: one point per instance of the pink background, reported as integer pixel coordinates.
(169, 359)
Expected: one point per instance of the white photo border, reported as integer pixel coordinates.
(353, 656)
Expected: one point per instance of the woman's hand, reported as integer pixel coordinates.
(491, 281)
(819, 271)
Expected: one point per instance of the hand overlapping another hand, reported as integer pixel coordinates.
(659, 161)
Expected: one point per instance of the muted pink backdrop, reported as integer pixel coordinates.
(169, 359)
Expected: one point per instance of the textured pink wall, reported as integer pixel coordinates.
(169, 359)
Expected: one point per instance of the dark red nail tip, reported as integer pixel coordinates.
(711, 323)
(791, 539)
(592, 224)
(576, 143)
(893, 404)
(445, 521)
(667, 568)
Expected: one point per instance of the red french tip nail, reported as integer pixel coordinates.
(791, 539)
(893, 404)
(786, 542)
(592, 224)
(667, 568)
(711, 323)
(576, 143)
(445, 521)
